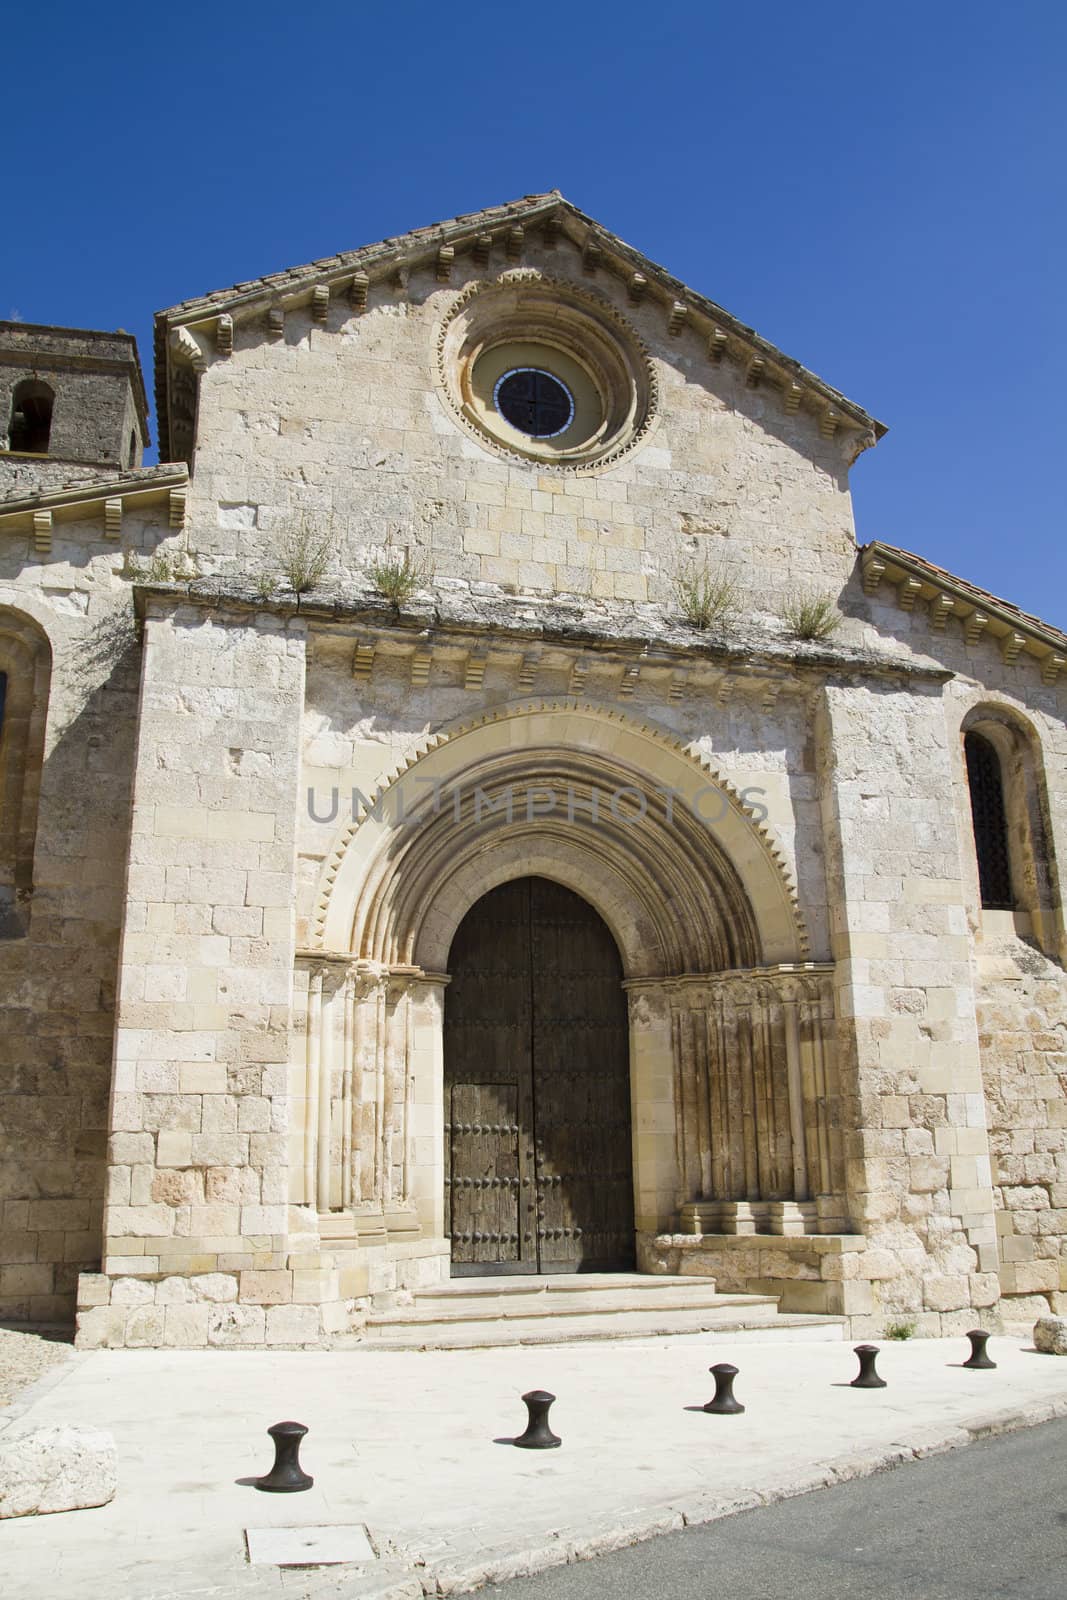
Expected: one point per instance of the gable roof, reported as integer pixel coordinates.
(497, 225)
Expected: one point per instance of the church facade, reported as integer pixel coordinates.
(476, 809)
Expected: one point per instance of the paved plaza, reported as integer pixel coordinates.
(408, 1450)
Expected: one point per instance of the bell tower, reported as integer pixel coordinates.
(72, 404)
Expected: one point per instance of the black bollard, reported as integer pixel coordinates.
(286, 1476)
(979, 1361)
(724, 1404)
(868, 1377)
(538, 1435)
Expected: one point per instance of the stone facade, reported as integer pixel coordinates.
(233, 890)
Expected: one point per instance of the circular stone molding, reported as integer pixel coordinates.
(525, 322)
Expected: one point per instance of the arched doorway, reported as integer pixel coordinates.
(538, 1153)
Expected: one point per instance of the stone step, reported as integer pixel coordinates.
(533, 1284)
(468, 1313)
(758, 1322)
(479, 1309)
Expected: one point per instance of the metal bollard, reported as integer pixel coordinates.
(868, 1377)
(979, 1361)
(286, 1476)
(724, 1404)
(538, 1435)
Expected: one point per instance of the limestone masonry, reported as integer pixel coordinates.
(441, 832)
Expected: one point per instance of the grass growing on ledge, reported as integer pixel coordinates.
(705, 594)
(396, 576)
(305, 555)
(811, 616)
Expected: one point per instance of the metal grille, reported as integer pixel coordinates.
(534, 402)
(990, 823)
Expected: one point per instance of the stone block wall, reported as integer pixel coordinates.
(1022, 1022)
(344, 425)
(198, 1168)
(919, 1177)
(58, 962)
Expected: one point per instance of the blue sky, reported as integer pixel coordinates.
(879, 191)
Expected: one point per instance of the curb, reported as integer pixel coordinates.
(500, 1565)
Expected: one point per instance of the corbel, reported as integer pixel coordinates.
(1051, 667)
(873, 573)
(637, 288)
(592, 257)
(717, 343)
(630, 678)
(186, 349)
(363, 661)
(113, 517)
(446, 254)
(358, 290)
(724, 688)
(42, 531)
(769, 697)
(941, 608)
(483, 245)
(828, 422)
(908, 592)
(677, 687)
(551, 232)
(399, 279)
(528, 669)
(1011, 646)
(474, 671)
(974, 627)
(794, 393)
(320, 302)
(224, 336)
(421, 662)
(516, 238)
(276, 322)
(756, 369)
(579, 672)
(176, 509)
(679, 316)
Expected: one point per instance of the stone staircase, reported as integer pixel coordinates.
(471, 1312)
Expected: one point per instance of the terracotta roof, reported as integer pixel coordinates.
(421, 242)
(888, 561)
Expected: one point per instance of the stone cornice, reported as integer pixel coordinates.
(921, 587)
(367, 623)
(105, 497)
(354, 274)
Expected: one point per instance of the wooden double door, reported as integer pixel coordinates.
(538, 1163)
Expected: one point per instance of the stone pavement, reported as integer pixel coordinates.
(407, 1445)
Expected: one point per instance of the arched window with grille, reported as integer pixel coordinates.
(30, 425)
(985, 781)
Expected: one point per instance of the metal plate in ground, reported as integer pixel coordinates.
(308, 1547)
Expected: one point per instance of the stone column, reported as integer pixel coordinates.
(656, 1152)
(918, 1168)
(755, 1101)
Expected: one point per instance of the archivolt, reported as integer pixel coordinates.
(684, 875)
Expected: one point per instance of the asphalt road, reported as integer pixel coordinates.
(988, 1522)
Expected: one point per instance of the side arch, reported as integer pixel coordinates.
(25, 681)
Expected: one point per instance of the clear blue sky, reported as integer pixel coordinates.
(878, 190)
